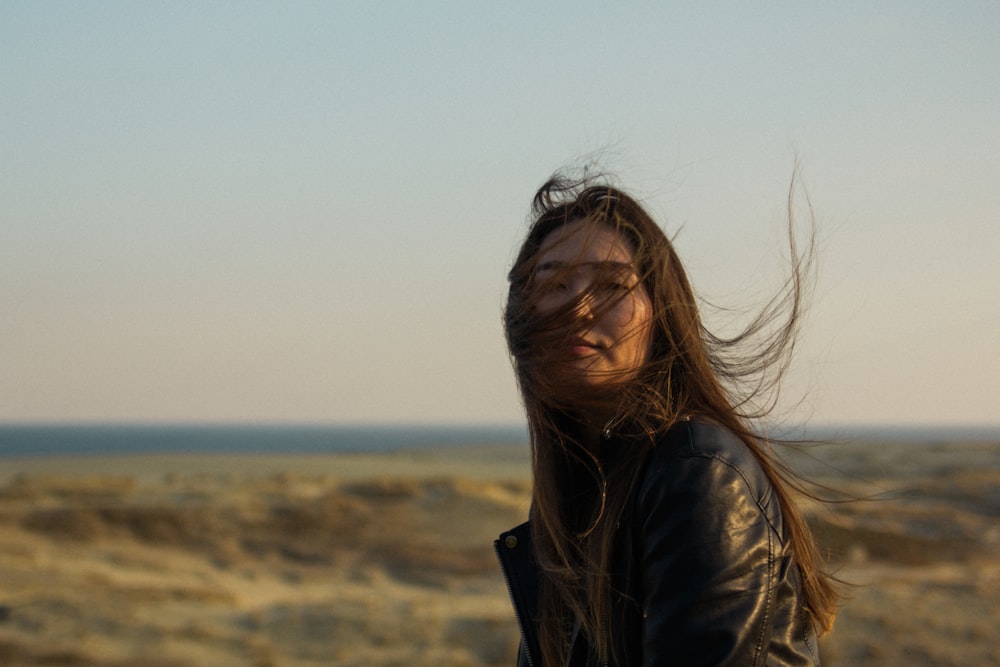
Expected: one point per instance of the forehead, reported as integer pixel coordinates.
(587, 242)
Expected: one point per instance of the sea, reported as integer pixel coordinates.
(39, 440)
(18, 440)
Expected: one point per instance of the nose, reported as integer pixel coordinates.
(575, 291)
(585, 307)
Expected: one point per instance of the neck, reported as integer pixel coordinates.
(594, 427)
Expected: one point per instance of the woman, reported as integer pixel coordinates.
(661, 531)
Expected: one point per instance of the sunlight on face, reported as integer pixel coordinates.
(591, 265)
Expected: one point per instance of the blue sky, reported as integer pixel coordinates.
(305, 211)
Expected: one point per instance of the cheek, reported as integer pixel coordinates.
(642, 323)
(633, 319)
(545, 304)
(635, 312)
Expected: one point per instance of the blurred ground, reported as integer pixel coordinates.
(387, 560)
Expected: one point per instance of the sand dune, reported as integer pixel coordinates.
(231, 561)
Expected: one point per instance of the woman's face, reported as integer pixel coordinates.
(589, 263)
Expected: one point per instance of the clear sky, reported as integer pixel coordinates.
(304, 212)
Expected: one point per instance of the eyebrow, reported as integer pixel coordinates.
(557, 264)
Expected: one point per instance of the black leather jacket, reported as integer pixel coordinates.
(703, 574)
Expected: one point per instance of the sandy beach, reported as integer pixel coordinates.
(301, 561)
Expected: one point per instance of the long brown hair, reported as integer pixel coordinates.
(690, 372)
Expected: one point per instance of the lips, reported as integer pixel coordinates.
(581, 346)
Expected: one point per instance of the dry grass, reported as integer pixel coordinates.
(295, 569)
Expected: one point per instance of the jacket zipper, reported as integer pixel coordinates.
(604, 635)
(517, 612)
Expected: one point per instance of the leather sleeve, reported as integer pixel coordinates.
(706, 551)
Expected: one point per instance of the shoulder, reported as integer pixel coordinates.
(703, 439)
(705, 468)
(700, 445)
